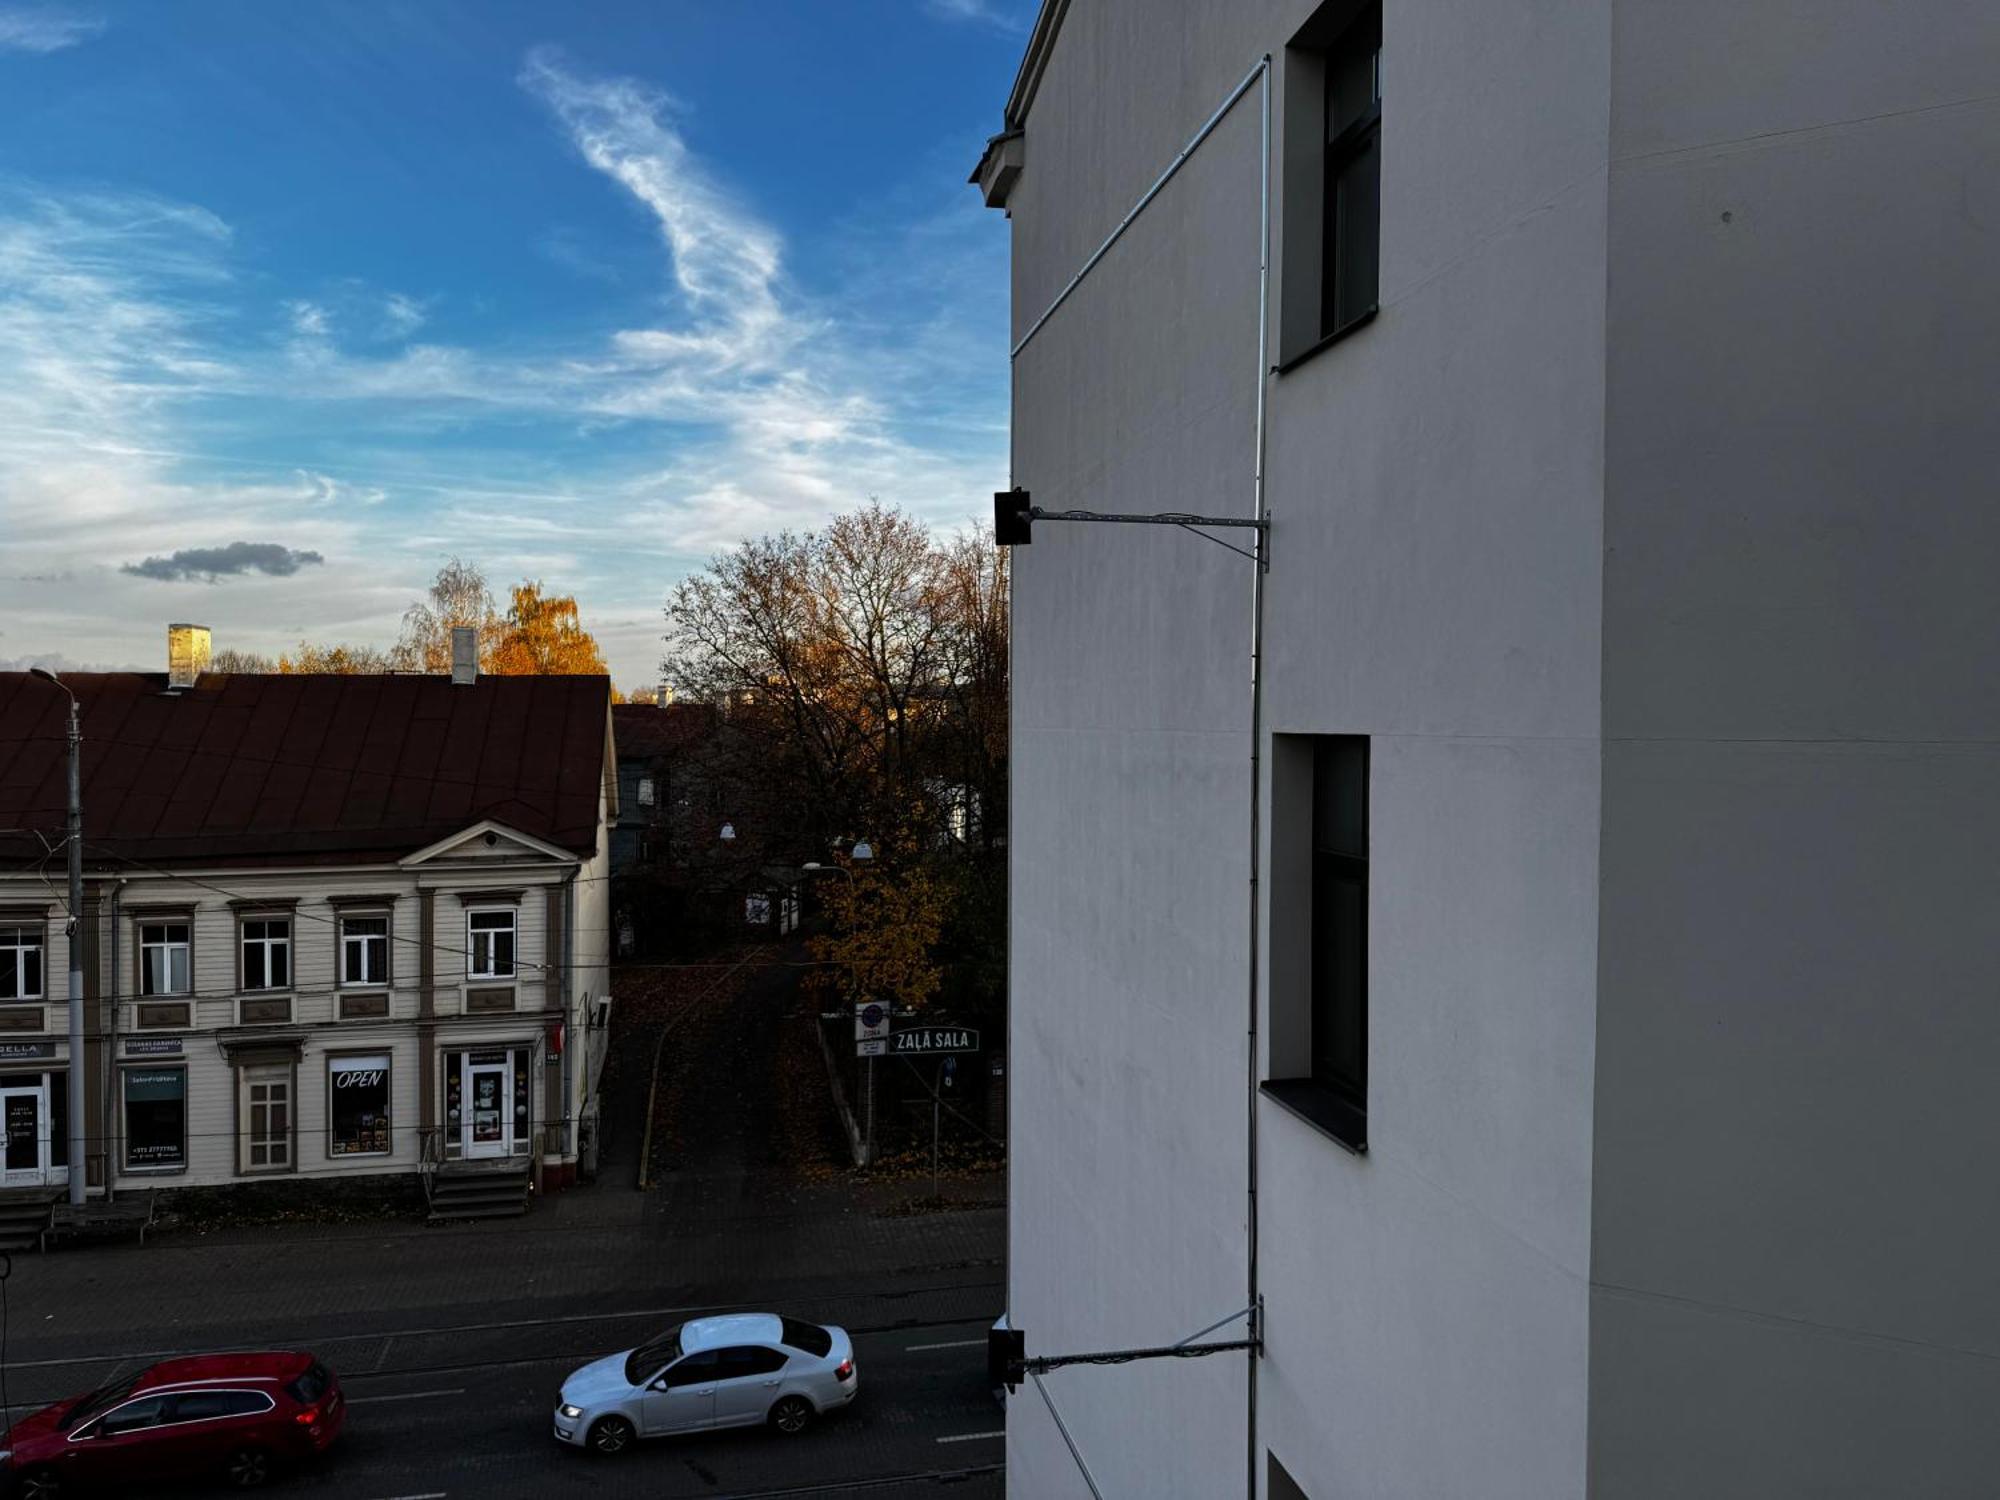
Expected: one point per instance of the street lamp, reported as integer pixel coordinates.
(75, 1105)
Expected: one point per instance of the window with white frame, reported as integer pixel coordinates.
(364, 950)
(163, 957)
(645, 791)
(489, 944)
(267, 953)
(20, 963)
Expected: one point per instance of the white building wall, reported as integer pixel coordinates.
(1437, 483)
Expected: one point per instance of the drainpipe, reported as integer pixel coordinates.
(113, 1144)
(1257, 759)
(569, 1031)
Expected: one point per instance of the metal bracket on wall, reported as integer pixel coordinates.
(1013, 518)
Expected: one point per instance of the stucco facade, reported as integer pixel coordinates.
(1652, 567)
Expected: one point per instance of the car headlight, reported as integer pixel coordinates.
(572, 1412)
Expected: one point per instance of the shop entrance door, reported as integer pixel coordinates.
(489, 1108)
(24, 1114)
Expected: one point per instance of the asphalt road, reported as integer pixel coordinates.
(442, 1410)
(452, 1341)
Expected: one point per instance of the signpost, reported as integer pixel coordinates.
(871, 1040)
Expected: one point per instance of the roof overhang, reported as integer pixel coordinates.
(1000, 163)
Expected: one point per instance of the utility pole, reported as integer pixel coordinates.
(78, 1171)
(77, 1105)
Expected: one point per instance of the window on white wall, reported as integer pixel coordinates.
(489, 944)
(364, 950)
(20, 963)
(267, 953)
(164, 957)
(357, 1106)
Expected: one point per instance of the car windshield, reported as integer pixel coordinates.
(650, 1357)
(99, 1400)
(810, 1337)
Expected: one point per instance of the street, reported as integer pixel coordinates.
(451, 1341)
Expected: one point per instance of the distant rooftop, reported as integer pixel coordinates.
(255, 769)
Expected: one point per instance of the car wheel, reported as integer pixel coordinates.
(611, 1435)
(41, 1484)
(248, 1468)
(792, 1415)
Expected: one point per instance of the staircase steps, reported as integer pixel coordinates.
(23, 1217)
(479, 1195)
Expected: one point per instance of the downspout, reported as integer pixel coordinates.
(1256, 765)
(569, 1031)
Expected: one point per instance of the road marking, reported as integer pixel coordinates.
(406, 1396)
(971, 1437)
(954, 1344)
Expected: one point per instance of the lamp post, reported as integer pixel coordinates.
(76, 1102)
(861, 850)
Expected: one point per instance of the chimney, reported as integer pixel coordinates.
(464, 655)
(666, 697)
(187, 655)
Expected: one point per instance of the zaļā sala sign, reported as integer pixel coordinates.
(935, 1039)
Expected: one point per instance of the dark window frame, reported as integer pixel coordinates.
(1328, 1082)
(125, 1102)
(1351, 220)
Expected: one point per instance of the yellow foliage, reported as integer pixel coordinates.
(886, 926)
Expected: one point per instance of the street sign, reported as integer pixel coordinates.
(871, 1020)
(873, 1048)
(930, 1039)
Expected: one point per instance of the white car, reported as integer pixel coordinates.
(733, 1371)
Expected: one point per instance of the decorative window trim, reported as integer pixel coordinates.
(488, 898)
(343, 903)
(279, 904)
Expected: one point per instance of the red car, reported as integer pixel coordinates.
(236, 1415)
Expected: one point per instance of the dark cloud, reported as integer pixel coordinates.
(213, 563)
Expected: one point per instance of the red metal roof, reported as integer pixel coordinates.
(254, 769)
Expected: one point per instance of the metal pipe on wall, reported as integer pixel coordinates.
(1260, 74)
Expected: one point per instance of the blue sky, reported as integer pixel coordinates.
(323, 294)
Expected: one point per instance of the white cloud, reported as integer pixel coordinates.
(1005, 18)
(401, 316)
(41, 30)
(309, 319)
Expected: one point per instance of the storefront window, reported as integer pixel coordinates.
(155, 1118)
(358, 1106)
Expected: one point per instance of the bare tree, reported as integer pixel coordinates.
(458, 596)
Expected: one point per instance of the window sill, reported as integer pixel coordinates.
(1312, 350)
(1322, 1109)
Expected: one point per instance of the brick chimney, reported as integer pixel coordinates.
(187, 654)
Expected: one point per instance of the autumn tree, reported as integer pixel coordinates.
(883, 941)
(542, 635)
(339, 660)
(458, 596)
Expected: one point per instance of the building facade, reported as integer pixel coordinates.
(332, 926)
(1593, 1092)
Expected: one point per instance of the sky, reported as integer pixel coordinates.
(299, 301)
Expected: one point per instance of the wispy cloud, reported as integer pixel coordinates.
(212, 564)
(309, 319)
(984, 12)
(41, 30)
(401, 316)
